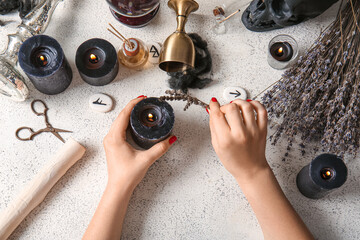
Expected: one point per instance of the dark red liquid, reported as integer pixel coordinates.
(134, 13)
(135, 22)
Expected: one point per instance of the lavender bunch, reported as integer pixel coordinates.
(319, 97)
(178, 95)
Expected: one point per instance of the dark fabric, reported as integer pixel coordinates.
(24, 6)
(7, 6)
(190, 78)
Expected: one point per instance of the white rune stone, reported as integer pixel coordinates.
(101, 103)
(233, 93)
(154, 52)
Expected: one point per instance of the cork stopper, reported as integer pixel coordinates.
(218, 11)
(135, 47)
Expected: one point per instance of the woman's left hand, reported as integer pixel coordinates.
(127, 166)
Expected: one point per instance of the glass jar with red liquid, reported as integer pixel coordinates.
(134, 13)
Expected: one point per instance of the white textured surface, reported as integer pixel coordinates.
(187, 194)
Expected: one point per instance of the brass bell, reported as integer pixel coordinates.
(178, 51)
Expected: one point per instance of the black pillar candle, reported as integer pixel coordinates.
(281, 51)
(325, 173)
(96, 60)
(151, 121)
(43, 61)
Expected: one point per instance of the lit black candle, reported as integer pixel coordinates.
(96, 60)
(43, 61)
(151, 122)
(325, 173)
(281, 51)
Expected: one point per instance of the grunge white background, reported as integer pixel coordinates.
(187, 194)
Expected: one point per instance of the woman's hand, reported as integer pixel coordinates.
(126, 165)
(238, 133)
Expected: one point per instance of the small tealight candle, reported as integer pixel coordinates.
(325, 173)
(151, 121)
(43, 61)
(283, 51)
(96, 60)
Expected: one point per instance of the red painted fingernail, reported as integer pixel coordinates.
(141, 96)
(172, 140)
(248, 100)
(214, 99)
(231, 101)
(207, 110)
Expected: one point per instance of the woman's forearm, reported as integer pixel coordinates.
(276, 216)
(126, 168)
(109, 216)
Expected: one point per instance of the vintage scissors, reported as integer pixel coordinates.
(49, 127)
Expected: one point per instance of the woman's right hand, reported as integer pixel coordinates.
(238, 134)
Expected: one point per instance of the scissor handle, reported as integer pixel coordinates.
(33, 107)
(32, 133)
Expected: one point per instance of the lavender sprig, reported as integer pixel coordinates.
(178, 95)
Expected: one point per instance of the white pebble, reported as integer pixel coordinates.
(154, 52)
(101, 103)
(232, 93)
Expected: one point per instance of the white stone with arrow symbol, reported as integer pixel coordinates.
(233, 93)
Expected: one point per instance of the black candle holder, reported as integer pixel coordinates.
(151, 121)
(96, 60)
(324, 174)
(43, 61)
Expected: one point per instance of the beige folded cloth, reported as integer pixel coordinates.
(34, 193)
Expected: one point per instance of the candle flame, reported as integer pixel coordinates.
(93, 58)
(150, 117)
(43, 60)
(280, 50)
(326, 174)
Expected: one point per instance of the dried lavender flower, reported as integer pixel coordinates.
(178, 95)
(318, 99)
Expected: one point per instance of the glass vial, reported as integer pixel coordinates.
(228, 9)
(133, 54)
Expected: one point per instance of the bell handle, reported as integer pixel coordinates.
(181, 21)
(183, 7)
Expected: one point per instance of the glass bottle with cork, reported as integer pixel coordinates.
(223, 12)
(133, 53)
